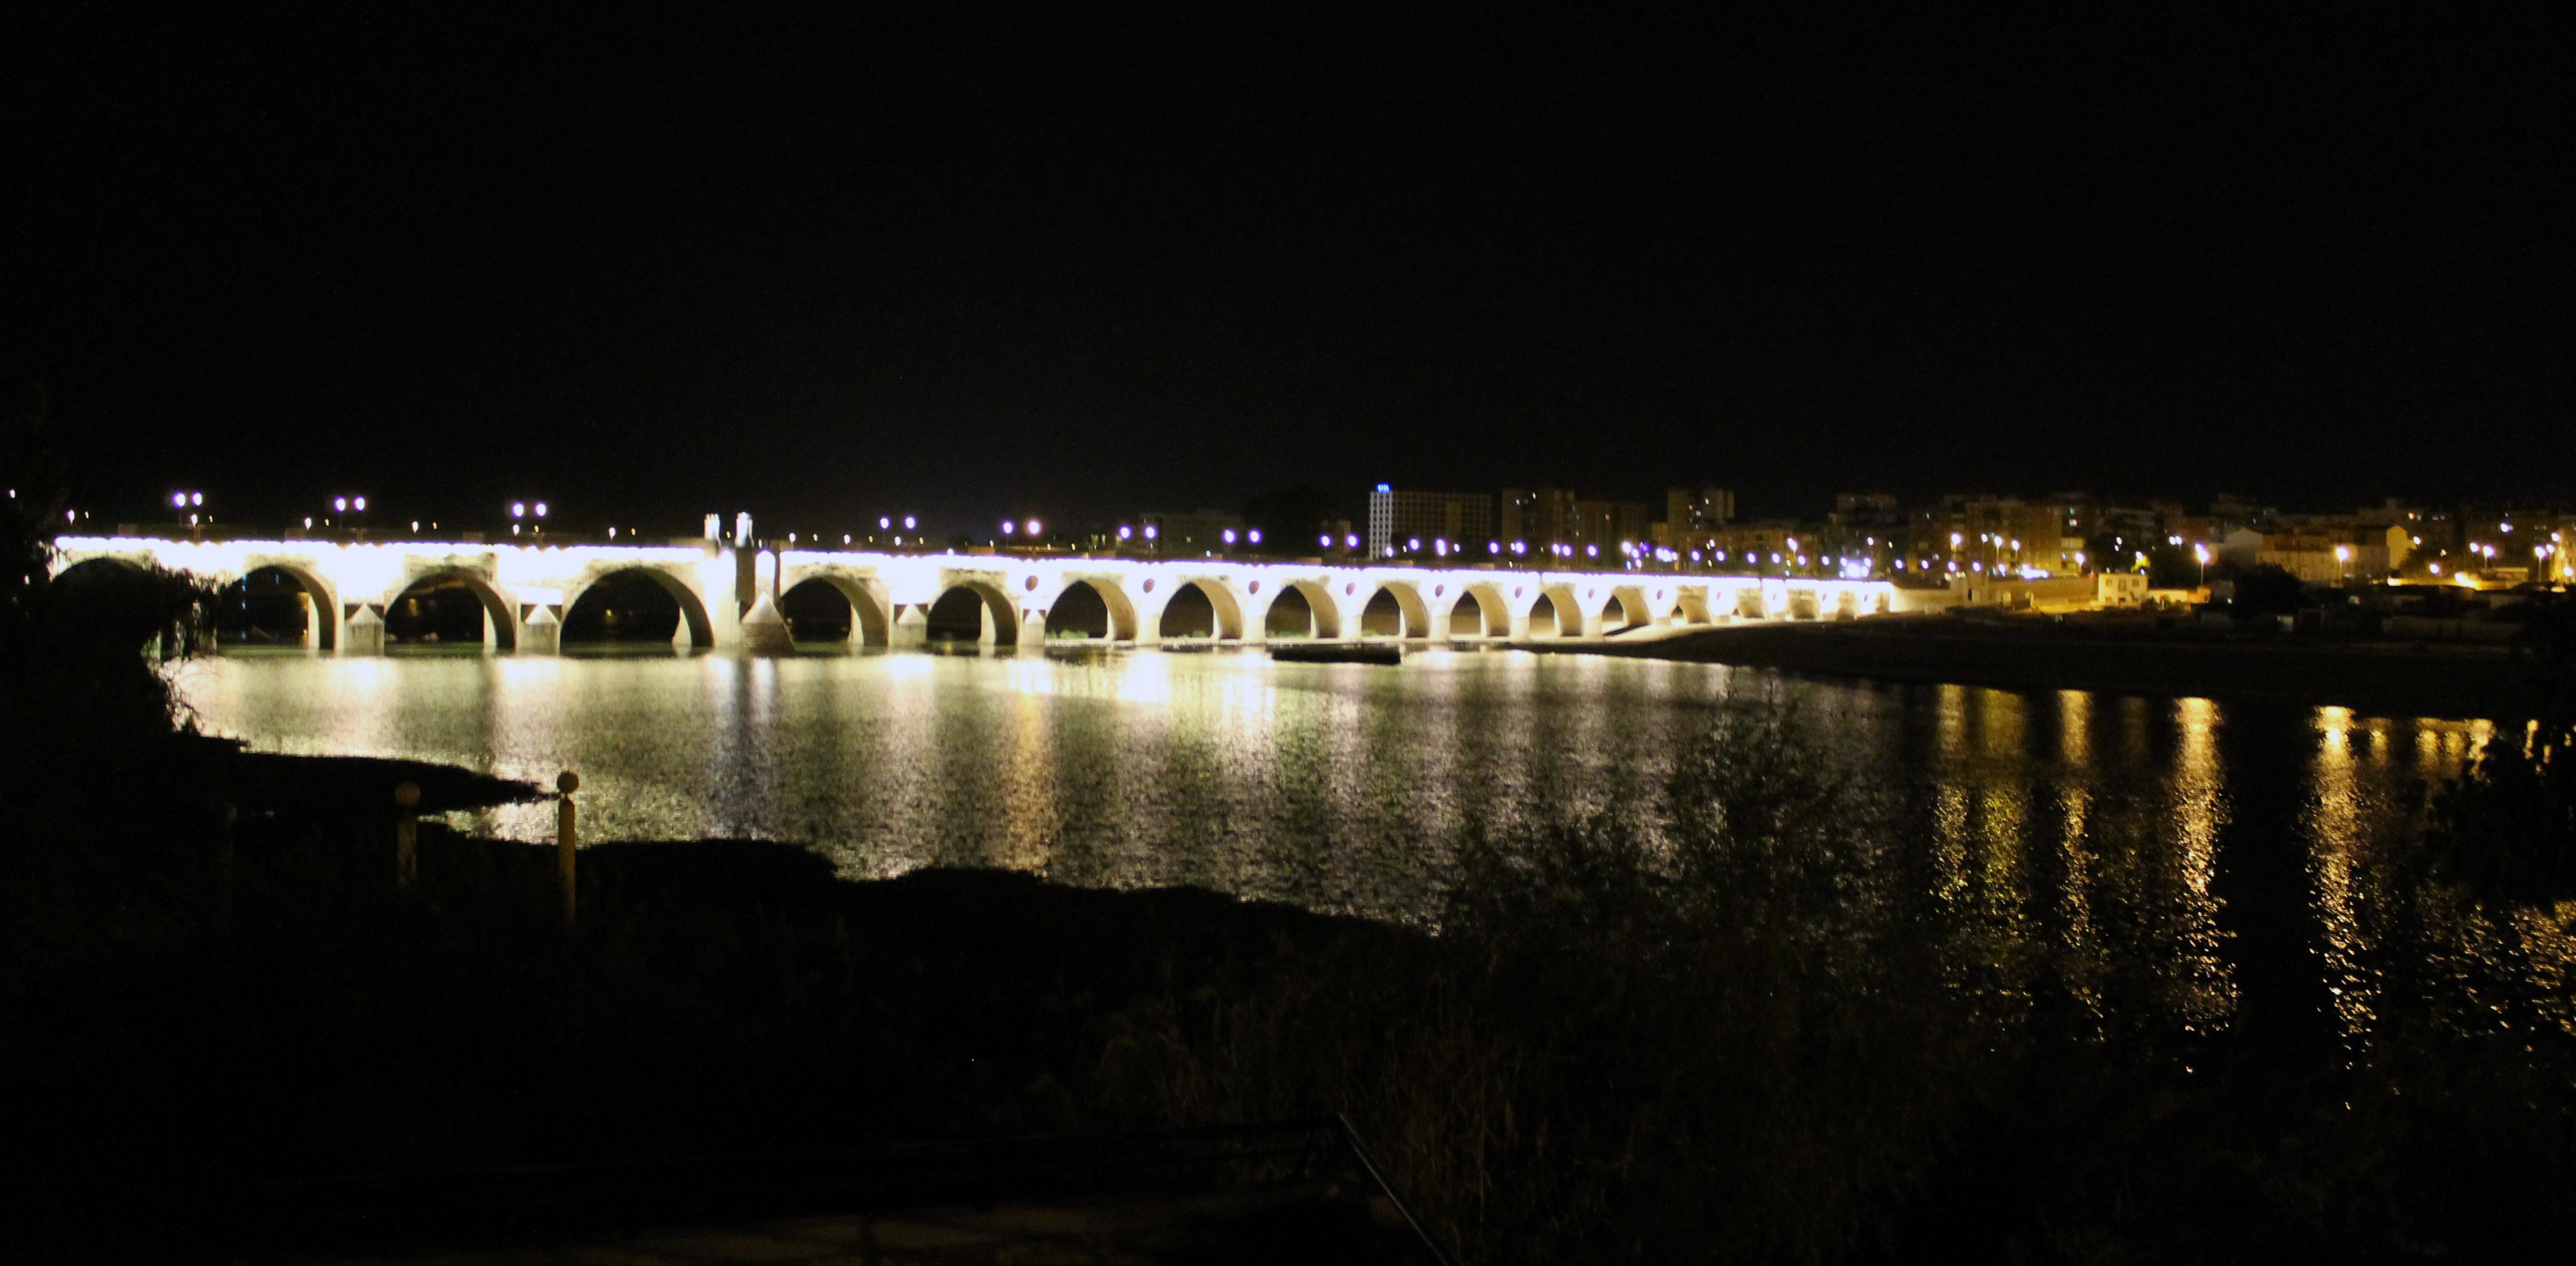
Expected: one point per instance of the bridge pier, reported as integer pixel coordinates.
(363, 633)
(911, 627)
(540, 633)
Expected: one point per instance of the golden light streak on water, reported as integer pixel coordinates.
(2206, 981)
(2335, 845)
(2084, 965)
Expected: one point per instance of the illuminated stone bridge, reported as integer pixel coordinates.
(730, 597)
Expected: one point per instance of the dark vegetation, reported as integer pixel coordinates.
(1718, 1045)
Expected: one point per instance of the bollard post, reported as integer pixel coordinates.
(566, 836)
(406, 833)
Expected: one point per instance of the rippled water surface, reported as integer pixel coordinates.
(2127, 856)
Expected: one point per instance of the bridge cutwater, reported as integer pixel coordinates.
(728, 596)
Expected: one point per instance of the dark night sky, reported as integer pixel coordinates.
(649, 265)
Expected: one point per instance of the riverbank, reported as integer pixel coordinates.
(2386, 677)
(1598, 1057)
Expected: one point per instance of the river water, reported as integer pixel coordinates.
(2156, 859)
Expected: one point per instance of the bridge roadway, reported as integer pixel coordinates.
(728, 598)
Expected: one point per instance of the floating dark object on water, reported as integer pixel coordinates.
(1339, 653)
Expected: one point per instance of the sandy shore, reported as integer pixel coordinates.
(2386, 678)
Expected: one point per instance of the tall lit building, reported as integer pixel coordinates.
(1538, 517)
(1399, 517)
(1691, 513)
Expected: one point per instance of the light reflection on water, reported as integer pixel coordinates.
(2073, 844)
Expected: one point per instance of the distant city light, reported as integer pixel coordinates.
(1255, 536)
(518, 509)
(179, 500)
(340, 504)
(1351, 542)
(1152, 531)
(1228, 534)
(1009, 527)
(907, 523)
(541, 509)
(1035, 528)
(1124, 532)
(884, 522)
(1326, 540)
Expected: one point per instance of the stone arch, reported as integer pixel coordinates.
(322, 607)
(500, 623)
(1750, 603)
(1001, 615)
(693, 609)
(1573, 614)
(1632, 608)
(871, 622)
(1327, 613)
(1221, 601)
(1493, 615)
(1413, 614)
(97, 564)
(1547, 617)
(1121, 610)
(1693, 602)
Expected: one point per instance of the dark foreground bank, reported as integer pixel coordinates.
(2031, 654)
(1608, 1052)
